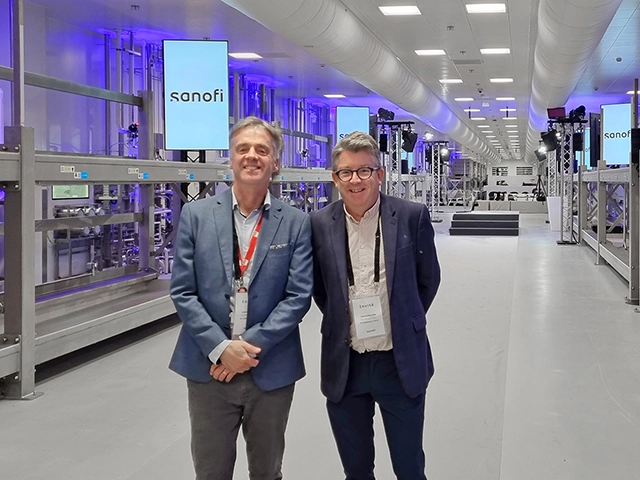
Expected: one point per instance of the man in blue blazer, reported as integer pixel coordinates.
(241, 283)
(376, 274)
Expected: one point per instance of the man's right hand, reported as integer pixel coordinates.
(239, 356)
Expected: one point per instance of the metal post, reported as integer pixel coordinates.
(634, 213)
(566, 182)
(393, 172)
(119, 106)
(107, 85)
(602, 212)
(146, 148)
(20, 307)
(435, 182)
(552, 171)
(17, 25)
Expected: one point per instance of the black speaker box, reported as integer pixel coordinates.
(578, 142)
(635, 146)
(383, 142)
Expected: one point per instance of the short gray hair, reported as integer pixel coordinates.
(273, 131)
(356, 142)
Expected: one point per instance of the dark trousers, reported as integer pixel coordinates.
(373, 378)
(217, 410)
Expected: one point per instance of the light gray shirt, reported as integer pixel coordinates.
(362, 236)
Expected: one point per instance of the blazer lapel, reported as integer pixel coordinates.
(270, 224)
(223, 220)
(390, 236)
(338, 233)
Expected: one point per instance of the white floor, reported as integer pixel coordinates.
(537, 377)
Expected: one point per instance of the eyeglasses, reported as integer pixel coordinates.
(364, 173)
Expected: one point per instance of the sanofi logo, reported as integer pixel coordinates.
(216, 95)
(626, 134)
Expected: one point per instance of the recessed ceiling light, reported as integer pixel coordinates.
(334, 95)
(430, 52)
(507, 109)
(463, 99)
(630, 92)
(486, 8)
(504, 99)
(487, 131)
(511, 126)
(451, 80)
(400, 10)
(514, 136)
(512, 131)
(484, 126)
(491, 136)
(245, 56)
(509, 118)
(478, 118)
(501, 80)
(495, 51)
(471, 109)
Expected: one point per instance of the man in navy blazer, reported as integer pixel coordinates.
(241, 283)
(376, 274)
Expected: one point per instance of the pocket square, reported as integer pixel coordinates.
(278, 246)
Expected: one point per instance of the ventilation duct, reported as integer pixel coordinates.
(332, 33)
(569, 32)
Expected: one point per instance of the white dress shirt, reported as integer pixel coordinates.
(362, 237)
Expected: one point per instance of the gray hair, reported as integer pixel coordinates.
(356, 142)
(273, 131)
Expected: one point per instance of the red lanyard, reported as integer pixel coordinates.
(244, 262)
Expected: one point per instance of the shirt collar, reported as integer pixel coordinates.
(266, 204)
(369, 214)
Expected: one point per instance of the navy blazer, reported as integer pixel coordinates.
(279, 289)
(413, 276)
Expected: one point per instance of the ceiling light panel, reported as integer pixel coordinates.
(430, 53)
(504, 99)
(400, 10)
(245, 56)
(463, 99)
(450, 80)
(486, 7)
(495, 51)
(334, 95)
(501, 80)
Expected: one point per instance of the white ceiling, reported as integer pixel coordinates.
(444, 24)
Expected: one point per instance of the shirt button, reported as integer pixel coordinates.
(346, 342)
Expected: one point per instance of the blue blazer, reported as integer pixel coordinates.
(279, 289)
(413, 276)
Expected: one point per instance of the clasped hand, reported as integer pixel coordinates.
(238, 357)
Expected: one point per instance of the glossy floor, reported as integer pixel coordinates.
(538, 377)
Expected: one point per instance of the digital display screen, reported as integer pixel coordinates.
(351, 119)
(196, 95)
(616, 133)
(69, 192)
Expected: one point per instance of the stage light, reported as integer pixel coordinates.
(550, 140)
(577, 114)
(409, 139)
(386, 114)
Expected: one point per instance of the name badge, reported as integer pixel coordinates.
(367, 316)
(240, 312)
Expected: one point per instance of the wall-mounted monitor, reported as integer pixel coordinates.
(69, 192)
(616, 133)
(196, 94)
(351, 119)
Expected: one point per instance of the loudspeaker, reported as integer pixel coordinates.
(404, 166)
(383, 142)
(578, 142)
(635, 146)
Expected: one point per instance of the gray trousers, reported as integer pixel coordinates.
(216, 411)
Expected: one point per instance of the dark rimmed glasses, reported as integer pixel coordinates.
(364, 173)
